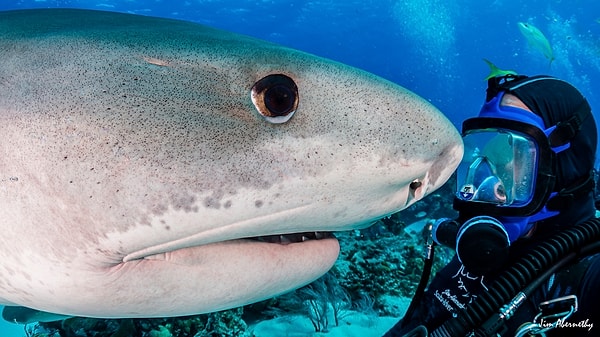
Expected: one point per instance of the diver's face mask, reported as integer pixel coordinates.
(503, 184)
(499, 168)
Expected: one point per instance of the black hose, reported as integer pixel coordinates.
(416, 300)
(520, 275)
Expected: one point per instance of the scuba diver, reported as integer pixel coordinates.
(527, 241)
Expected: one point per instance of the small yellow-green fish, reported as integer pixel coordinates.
(536, 39)
(495, 71)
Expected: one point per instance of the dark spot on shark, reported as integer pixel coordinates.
(211, 202)
(258, 203)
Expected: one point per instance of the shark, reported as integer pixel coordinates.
(152, 167)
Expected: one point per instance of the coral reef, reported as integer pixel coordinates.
(320, 301)
(227, 323)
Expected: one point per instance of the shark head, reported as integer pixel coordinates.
(152, 167)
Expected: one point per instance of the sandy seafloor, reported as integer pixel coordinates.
(353, 324)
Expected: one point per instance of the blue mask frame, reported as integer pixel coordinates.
(517, 220)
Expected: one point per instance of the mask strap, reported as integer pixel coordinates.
(565, 131)
(501, 83)
(565, 197)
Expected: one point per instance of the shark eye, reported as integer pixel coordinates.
(275, 97)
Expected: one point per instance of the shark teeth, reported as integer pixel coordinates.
(285, 239)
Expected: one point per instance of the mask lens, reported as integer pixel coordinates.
(499, 167)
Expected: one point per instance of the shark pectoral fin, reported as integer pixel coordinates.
(24, 315)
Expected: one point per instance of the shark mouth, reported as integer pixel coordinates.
(285, 239)
(282, 239)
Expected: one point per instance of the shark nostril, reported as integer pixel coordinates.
(417, 189)
(416, 184)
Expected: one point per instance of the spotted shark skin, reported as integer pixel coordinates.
(135, 164)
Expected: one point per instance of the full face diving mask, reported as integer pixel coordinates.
(503, 184)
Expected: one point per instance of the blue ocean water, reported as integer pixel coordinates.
(433, 47)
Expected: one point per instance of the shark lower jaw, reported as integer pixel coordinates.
(219, 275)
(266, 265)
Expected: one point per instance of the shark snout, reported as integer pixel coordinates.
(444, 165)
(440, 159)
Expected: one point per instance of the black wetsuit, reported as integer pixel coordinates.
(453, 288)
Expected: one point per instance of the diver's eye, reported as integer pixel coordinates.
(275, 97)
(500, 192)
